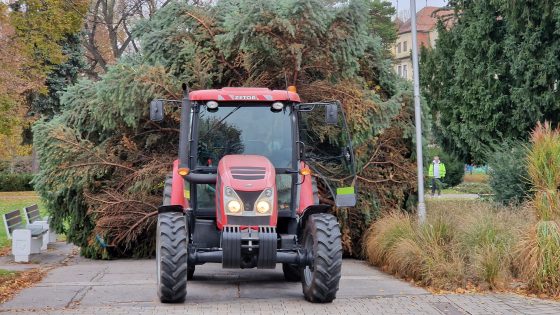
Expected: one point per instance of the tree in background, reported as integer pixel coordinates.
(42, 26)
(494, 74)
(32, 36)
(103, 162)
(107, 30)
(381, 21)
(61, 76)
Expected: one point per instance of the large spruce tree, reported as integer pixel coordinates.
(103, 162)
(494, 73)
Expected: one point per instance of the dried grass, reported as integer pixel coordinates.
(462, 243)
(538, 252)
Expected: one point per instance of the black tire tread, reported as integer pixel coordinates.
(327, 262)
(173, 252)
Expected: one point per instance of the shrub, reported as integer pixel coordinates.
(455, 169)
(424, 253)
(539, 257)
(385, 234)
(508, 173)
(490, 235)
(539, 251)
(15, 182)
(474, 188)
(461, 242)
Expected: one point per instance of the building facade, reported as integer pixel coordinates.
(426, 21)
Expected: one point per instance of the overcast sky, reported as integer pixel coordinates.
(405, 4)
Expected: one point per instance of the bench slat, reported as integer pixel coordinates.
(33, 213)
(12, 214)
(13, 221)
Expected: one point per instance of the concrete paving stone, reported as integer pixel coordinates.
(43, 297)
(128, 287)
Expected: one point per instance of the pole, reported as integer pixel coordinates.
(417, 116)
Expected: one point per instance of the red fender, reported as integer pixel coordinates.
(306, 192)
(177, 189)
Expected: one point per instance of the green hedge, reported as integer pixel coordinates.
(15, 182)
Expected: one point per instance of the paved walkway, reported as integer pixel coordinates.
(82, 286)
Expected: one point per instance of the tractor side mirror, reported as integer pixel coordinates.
(156, 110)
(345, 197)
(331, 114)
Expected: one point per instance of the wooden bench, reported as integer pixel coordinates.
(26, 239)
(34, 217)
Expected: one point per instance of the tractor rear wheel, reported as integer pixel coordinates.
(292, 273)
(171, 252)
(322, 239)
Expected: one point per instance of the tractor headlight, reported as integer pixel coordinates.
(263, 207)
(234, 206)
(232, 203)
(264, 203)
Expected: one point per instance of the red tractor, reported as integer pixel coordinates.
(242, 194)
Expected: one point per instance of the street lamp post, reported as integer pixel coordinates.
(417, 115)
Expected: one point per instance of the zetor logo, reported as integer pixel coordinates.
(245, 97)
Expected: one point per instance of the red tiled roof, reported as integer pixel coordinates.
(426, 20)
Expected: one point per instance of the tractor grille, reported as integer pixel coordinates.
(248, 221)
(249, 198)
(248, 173)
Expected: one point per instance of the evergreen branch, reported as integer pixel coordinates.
(96, 164)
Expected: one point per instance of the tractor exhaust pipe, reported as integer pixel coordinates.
(185, 127)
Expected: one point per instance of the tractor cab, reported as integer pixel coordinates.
(251, 163)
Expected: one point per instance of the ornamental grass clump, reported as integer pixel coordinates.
(539, 249)
(487, 237)
(461, 242)
(423, 253)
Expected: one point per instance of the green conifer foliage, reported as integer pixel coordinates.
(494, 74)
(59, 78)
(103, 162)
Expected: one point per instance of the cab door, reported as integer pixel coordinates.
(325, 146)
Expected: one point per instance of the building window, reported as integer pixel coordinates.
(399, 48)
(404, 72)
(404, 48)
(399, 71)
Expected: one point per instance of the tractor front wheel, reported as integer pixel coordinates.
(171, 257)
(322, 239)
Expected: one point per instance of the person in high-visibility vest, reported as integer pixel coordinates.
(436, 173)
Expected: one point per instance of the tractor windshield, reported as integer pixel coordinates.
(244, 130)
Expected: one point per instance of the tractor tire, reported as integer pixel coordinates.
(292, 273)
(315, 190)
(167, 190)
(171, 252)
(171, 257)
(322, 238)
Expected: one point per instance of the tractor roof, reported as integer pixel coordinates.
(244, 94)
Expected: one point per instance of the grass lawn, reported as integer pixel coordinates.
(476, 178)
(10, 201)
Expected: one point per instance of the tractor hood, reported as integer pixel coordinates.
(246, 172)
